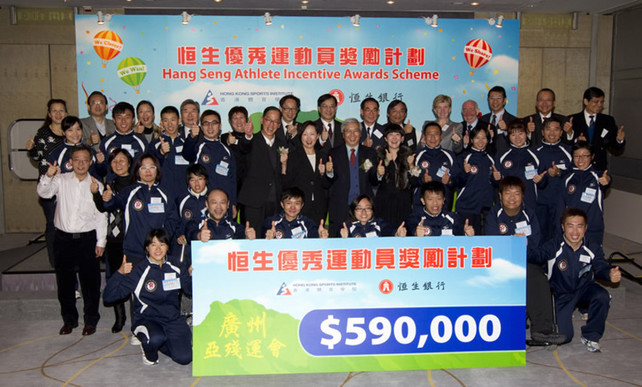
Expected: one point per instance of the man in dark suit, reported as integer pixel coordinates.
(287, 130)
(545, 106)
(498, 118)
(372, 133)
(471, 114)
(327, 123)
(96, 127)
(596, 128)
(261, 190)
(352, 171)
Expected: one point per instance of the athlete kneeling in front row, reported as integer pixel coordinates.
(573, 265)
(155, 282)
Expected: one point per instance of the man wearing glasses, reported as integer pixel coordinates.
(372, 133)
(96, 127)
(329, 127)
(261, 187)
(290, 106)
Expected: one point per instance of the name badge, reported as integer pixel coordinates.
(523, 228)
(298, 233)
(530, 172)
(171, 284)
(447, 231)
(179, 149)
(129, 149)
(410, 142)
(377, 133)
(371, 234)
(156, 208)
(561, 166)
(156, 200)
(170, 275)
(585, 258)
(441, 172)
(180, 160)
(222, 168)
(588, 196)
(604, 133)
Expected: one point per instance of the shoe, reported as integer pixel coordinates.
(134, 340)
(549, 337)
(67, 328)
(145, 360)
(121, 317)
(591, 346)
(88, 330)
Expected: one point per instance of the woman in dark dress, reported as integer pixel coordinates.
(394, 195)
(304, 168)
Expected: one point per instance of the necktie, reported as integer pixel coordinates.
(470, 127)
(353, 157)
(591, 127)
(494, 120)
(330, 131)
(369, 131)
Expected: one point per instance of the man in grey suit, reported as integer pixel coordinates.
(96, 126)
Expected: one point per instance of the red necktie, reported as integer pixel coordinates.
(353, 157)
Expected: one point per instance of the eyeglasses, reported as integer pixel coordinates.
(363, 209)
(208, 123)
(289, 109)
(328, 106)
(97, 103)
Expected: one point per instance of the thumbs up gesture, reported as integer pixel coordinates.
(426, 177)
(344, 231)
(568, 127)
(381, 170)
(107, 193)
(539, 177)
(194, 130)
(329, 166)
(491, 132)
(407, 128)
(411, 160)
(466, 139)
(455, 137)
(53, 169)
(100, 157)
(250, 233)
(323, 233)
(531, 125)
(553, 170)
(94, 137)
(271, 233)
(420, 230)
(496, 174)
(620, 134)
(368, 141)
(125, 267)
(468, 229)
(446, 177)
(93, 187)
(30, 143)
(614, 275)
(249, 129)
(321, 167)
(467, 167)
(325, 134)
(164, 146)
(605, 179)
(205, 234)
(401, 230)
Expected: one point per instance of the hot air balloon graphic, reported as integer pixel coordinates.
(107, 45)
(132, 71)
(477, 53)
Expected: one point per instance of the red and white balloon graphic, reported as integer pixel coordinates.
(477, 53)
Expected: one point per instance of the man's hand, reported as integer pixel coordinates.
(323, 233)
(344, 231)
(53, 170)
(93, 187)
(401, 230)
(614, 275)
(531, 125)
(107, 193)
(468, 229)
(271, 233)
(420, 231)
(620, 134)
(250, 233)
(99, 251)
(605, 179)
(329, 166)
(125, 267)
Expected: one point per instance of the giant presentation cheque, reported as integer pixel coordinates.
(360, 304)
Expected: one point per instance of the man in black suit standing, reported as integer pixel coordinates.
(330, 128)
(498, 118)
(290, 106)
(596, 128)
(372, 133)
(471, 114)
(352, 171)
(261, 190)
(545, 105)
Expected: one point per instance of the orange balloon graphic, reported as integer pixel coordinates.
(107, 45)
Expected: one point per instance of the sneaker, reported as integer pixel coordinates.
(549, 337)
(145, 360)
(591, 346)
(584, 317)
(134, 340)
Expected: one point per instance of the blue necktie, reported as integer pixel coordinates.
(591, 127)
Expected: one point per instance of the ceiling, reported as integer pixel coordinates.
(447, 8)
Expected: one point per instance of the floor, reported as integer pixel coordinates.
(33, 354)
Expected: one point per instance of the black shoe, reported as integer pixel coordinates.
(88, 330)
(67, 328)
(121, 317)
(549, 337)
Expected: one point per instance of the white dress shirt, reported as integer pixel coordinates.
(75, 208)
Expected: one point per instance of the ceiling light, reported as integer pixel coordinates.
(186, 17)
(355, 20)
(217, 1)
(390, 2)
(103, 17)
(500, 20)
(474, 3)
(432, 21)
(268, 19)
(304, 1)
